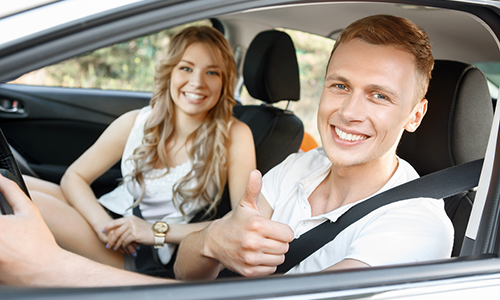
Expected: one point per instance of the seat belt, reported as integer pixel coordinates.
(437, 185)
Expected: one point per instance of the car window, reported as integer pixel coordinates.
(491, 70)
(312, 52)
(124, 66)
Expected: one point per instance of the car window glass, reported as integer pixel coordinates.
(125, 66)
(491, 70)
(312, 52)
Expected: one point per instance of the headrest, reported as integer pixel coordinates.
(456, 127)
(271, 71)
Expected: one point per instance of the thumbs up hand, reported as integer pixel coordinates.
(251, 197)
(246, 242)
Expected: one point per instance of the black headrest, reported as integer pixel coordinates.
(271, 71)
(456, 127)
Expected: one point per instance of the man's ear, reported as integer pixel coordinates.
(416, 116)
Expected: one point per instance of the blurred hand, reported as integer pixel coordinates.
(26, 244)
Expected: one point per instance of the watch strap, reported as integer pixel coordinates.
(159, 241)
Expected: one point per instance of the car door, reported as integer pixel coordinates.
(52, 126)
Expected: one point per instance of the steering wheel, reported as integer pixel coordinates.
(9, 169)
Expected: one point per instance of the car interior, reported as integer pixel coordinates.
(455, 130)
(271, 74)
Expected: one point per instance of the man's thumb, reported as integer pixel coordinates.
(251, 197)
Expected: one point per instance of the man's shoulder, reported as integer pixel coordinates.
(403, 174)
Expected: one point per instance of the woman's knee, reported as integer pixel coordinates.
(43, 186)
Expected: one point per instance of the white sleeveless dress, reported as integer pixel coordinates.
(157, 203)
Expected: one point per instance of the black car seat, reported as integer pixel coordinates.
(271, 74)
(455, 130)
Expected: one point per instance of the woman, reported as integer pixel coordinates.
(177, 154)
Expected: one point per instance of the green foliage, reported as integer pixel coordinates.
(313, 53)
(124, 66)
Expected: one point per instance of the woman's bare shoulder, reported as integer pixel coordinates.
(124, 123)
(236, 127)
(130, 115)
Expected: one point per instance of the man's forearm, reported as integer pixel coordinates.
(191, 262)
(71, 270)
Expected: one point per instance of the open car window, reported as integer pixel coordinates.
(127, 66)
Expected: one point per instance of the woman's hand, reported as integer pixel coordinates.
(99, 229)
(127, 232)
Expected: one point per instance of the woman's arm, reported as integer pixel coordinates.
(125, 231)
(102, 155)
(241, 160)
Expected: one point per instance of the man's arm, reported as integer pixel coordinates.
(29, 254)
(244, 241)
(347, 263)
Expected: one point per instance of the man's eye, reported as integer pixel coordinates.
(380, 97)
(341, 86)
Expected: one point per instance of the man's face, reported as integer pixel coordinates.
(367, 101)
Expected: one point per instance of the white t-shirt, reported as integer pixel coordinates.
(402, 232)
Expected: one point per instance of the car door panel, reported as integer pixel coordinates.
(70, 119)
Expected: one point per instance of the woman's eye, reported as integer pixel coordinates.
(187, 69)
(213, 73)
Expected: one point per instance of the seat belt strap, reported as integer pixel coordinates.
(437, 185)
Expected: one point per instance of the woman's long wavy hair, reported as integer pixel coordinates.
(209, 142)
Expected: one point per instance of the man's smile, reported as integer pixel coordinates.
(350, 137)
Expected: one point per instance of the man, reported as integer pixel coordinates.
(374, 89)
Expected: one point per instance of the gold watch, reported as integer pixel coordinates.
(160, 229)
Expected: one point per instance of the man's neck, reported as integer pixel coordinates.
(345, 185)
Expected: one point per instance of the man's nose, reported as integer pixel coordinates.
(354, 107)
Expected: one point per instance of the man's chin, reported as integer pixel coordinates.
(345, 161)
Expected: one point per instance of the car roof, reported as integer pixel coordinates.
(470, 42)
(14, 7)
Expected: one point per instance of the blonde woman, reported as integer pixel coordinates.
(177, 154)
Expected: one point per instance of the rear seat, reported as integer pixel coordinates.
(271, 74)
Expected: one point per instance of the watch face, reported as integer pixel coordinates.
(160, 227)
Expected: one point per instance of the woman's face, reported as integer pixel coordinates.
(196, 82)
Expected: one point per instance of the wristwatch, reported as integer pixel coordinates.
(160, 229)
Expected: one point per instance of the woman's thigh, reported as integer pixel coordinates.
(72, 232)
